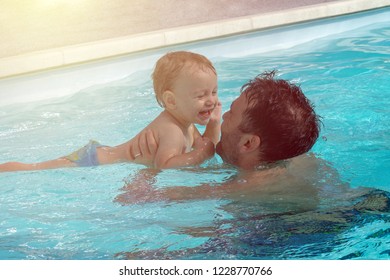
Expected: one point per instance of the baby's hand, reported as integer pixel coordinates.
(213, 128)
(217, 113)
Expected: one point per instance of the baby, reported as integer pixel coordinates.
(185, 85)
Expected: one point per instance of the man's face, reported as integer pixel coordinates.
(228, 146)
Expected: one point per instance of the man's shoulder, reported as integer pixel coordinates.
(305, 161)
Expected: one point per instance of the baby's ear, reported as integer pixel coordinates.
(169, 100)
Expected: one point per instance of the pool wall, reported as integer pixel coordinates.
(60, 72)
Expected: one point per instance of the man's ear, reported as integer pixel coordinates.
(169, 99)
(249, 143)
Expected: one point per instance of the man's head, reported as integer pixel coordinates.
(272, 120)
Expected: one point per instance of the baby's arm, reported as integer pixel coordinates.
(213, 128)
(170, 150)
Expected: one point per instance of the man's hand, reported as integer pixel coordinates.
(138, 196)
(143, 150)
(140, 189)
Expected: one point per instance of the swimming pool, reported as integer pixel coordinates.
(70, 213)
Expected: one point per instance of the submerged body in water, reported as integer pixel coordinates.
(299, 208)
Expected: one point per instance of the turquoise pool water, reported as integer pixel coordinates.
(71, 213)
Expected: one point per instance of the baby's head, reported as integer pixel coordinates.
(169, 67)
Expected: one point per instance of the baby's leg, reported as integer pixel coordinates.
(50, 164)
(55, 163)
(86, 156)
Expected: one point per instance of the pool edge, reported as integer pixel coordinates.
(78, 54)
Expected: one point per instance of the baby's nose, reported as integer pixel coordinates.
(211, 101)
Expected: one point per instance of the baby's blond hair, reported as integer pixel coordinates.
(168, 68)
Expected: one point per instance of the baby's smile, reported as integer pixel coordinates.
(205, 115)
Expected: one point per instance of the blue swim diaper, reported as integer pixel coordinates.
(86, 156)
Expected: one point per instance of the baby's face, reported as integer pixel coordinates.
(196, 94)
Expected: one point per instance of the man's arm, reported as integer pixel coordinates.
(141, 192)
(260, 186)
